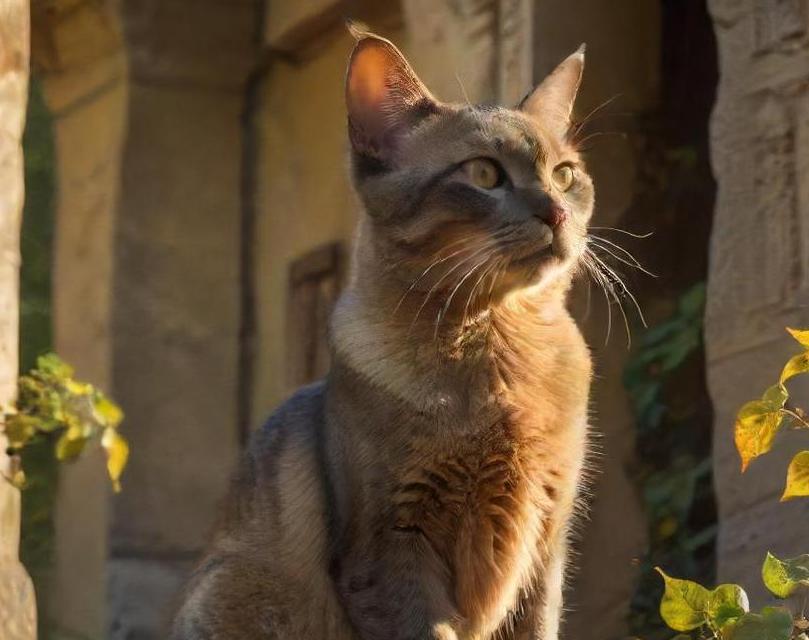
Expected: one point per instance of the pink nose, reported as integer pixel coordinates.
(554, 215)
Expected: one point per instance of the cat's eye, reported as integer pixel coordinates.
(564, 177)
(483, 173)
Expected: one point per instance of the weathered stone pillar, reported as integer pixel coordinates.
(17, 606)
(77, 51)
(176, 294)
(759, 270)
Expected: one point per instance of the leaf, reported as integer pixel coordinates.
(51, 364)
(796, 365)
(727, 603)
(756, 427)
(117, 450)
(19, 429)
(71, 443)
(797, 477)
(785, 577)
(107, 412)
(685, 604)
(777, 395)
(773, 623)
(801, 335)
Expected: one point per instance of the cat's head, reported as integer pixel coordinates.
(458, 195)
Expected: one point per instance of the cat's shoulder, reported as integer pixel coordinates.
(297, 418)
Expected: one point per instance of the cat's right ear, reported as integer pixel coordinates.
(384, 96)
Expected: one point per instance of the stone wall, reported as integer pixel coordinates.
(17, 607)
(175, 295)
(78, 54)
(759, 271)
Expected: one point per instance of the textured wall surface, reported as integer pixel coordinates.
(759, 272)
(175, 294)
(77, 50)
(17, 606)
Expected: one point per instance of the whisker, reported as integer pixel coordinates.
(448, 302)
(632, 262)
(599, 279)
(488, 245)
(624, 231)
(430, 268)
(625, 288)
(578, 126)
(482, 277)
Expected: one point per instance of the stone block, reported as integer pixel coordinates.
(212, 45)
(72, 34)
(176, 315)
(289, 25)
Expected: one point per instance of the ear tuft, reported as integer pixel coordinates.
(357, 29)
(384, 96)
(552, 101)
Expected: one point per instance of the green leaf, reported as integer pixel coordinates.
(797, 477)
(757, 424)
(20, 428)
(776, 395)
(785, 577)
(796, 365)
(117, 450)
(773, 623)
(685, 604)
(801, 335)
(727, 603)
(51, 364)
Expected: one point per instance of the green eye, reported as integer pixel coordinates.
(564, 177)
(483, 173)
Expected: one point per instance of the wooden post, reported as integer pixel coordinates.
(17, 605)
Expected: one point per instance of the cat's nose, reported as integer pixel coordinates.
(552, 214)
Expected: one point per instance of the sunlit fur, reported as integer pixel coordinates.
(425, 490)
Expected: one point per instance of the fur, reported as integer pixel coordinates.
(425, 489)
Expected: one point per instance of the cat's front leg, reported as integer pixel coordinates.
(397, 589)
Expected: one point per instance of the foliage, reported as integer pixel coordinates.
(665, 382)
(759, 421)
(724, 613)
(51, 402)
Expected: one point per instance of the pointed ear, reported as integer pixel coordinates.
(552, 101)
(384, 97)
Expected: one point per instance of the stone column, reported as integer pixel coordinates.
(759, 269)
(175, 300)
(77, 51)
(17, 606)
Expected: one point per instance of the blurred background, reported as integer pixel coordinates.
(187, 227)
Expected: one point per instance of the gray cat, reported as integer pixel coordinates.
(425, 489)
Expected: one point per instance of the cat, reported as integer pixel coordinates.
(425, 489)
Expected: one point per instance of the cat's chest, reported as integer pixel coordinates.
(484, 503)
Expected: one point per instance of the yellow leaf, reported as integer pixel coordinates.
(78, 388)
(796, 365)
(109, 414)
(117, 450)
(756, 426)
(71, 443)
(797, 477)
(801, 335)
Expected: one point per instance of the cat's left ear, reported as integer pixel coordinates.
(552, 101)
(384, 96)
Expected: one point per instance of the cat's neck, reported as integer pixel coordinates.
(426, 353)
